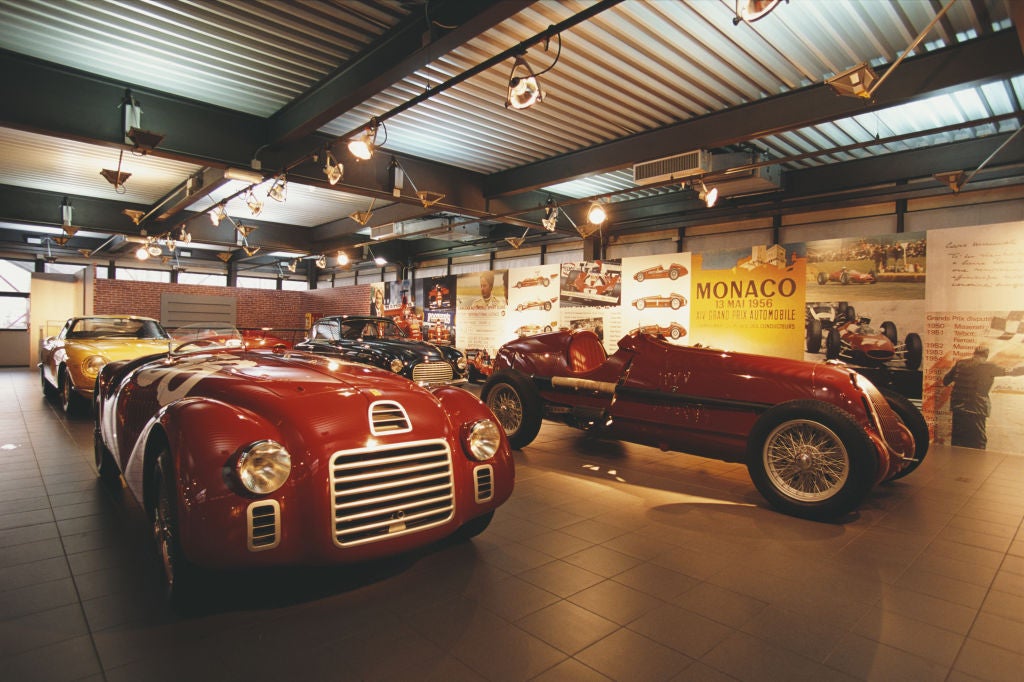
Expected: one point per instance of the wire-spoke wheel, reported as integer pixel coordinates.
(805, 460)
(516, 405)
(811, 459)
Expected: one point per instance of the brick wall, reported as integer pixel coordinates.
(255, 307)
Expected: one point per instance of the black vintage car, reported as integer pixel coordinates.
(378, 341)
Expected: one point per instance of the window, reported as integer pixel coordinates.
(202, 278)
(13, 311)
(140, 275)
(16, 276)
(257, 283)
(295, 285)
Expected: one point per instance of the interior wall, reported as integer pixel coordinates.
(54, 298)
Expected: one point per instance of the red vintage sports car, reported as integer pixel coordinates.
(248, 458)
(673, 272)
(816, 437)
(847, 276)
(858, 343)
(539, 280)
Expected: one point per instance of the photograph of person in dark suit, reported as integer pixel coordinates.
(972, 380)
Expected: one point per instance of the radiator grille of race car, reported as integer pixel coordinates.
(890, 421)
(432, 373)
(392, 490)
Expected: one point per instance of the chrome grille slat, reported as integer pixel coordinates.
(390, 490)
(388, 498)
(432, 372)
(484, 478)
(264, 525)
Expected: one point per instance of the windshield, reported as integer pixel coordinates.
(116, 328)
(370, 329)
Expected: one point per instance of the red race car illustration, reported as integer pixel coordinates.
(673, 330)
(673, 272)
(816, 437)
(539, 280)
(673, 301)
(847, 276)
(545, 304)
(262, 458)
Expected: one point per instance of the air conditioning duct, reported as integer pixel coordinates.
(732, 178)
(383, 231)
(675, 167)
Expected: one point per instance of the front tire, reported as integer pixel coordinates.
(833, 344)
(516, 405)
(70, 401)
(180, 576)
(48, 390)
(811, 460)
(813, 343)
(914, 420)
(913, 351)
(889, 331)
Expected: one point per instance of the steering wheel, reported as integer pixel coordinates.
(198, 343)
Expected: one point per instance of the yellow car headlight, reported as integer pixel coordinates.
(397, 365)
(263, 467)
(92, 365)
(482, 439)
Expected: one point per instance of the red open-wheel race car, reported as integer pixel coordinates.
(815, 437)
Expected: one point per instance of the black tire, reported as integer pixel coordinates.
(822, 278)
(641, 304)
(70, 401)
(181, 577)
(470, 529)
(814, 332)
(833, 344)
(913, 351)
(851, 313)
(106, 468)
(914, 421)
(516, 405)
(547, 305)
(889, 330)
(544, 281)
(811, 460)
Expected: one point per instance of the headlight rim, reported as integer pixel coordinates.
(474, 441)
(90, 368)
(246, 455)
(396, 365)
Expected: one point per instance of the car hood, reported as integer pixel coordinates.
(116, 349)
(407, 349)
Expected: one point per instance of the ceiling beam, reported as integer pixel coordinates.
(409, 46)
(985, 59)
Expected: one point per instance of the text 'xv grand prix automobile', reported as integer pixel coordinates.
(815, 437)
(249, 458)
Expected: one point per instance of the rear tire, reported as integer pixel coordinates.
(70, 401)
(833, 344)
(516, 405)
(811, 460)
(813, 343)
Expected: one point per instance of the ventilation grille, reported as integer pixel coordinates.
(387, 418)
(382, 231)
(264, 525)
(484, 478)
(672, 167)
(383, 492)
(432, 373)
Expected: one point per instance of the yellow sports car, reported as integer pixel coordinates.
(70, 361)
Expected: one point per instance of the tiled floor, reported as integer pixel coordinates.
(610, 561)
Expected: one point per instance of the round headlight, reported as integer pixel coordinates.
(461, 362)
(482, 439)
(263, 467)
(397, 365)
(92, 365)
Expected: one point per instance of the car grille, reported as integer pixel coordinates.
(432, 372)
(264, 525)
(386, 491)
(388, 418)
(889, 420)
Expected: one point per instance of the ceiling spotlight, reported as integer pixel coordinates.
(596, 215)
(279, 190)
(224, 256)
(321, 261)
(955, 179)
(170, 243)
(254, 204)
(245, 230)
(363, 217)
(550, 219)
(69, 230)
(523, 87)
(342, 258)
(142, 253)
(292, 264)
(380, 261)
(855, 82)
(332, 169)
(154, 250)
(708, 196)
(61, 241)
(752, 10)
(218, 214)
(363, 146)
(134, 214)
(428, 198)
(144, 140)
